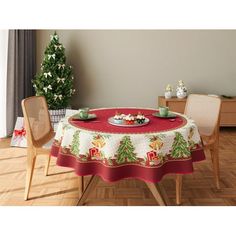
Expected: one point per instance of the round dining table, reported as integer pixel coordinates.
(97, 148)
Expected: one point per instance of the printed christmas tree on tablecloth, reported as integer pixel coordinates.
(75, 143)
(180, 147)
(125, 151)
(55, 81)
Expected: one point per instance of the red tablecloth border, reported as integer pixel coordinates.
(109, 174)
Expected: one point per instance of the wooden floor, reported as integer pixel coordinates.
(60, 187)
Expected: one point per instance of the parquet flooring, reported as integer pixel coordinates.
(60, 187)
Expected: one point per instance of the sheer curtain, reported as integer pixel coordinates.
(3, 80)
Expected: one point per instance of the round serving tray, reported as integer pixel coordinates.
(112, 122)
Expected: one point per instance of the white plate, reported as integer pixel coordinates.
(111, 121)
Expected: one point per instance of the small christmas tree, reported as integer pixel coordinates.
(55, 81)
(180, 147)
(126, 151)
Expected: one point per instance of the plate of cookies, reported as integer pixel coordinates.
(128, 120)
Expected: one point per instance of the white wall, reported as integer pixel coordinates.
(132, 67)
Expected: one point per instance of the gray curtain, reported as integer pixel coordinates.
(21, 68)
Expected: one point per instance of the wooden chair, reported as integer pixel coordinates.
(39, 134)
(205, 111)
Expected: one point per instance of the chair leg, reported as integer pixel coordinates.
(29, 174)
(178, 189)
(48, 159)
(81, 185)
(216, 168)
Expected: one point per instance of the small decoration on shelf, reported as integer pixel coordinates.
(168, 91)
(181, 90)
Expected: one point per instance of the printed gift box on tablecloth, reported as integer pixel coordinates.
(19, 134)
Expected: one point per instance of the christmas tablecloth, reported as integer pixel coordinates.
(148, 152)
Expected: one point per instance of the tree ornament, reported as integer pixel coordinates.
(54, 37)
(46, 88)
(61, 66)
(52, 56)
(46, 74)
(60, 79)
(72, 91)
(58, 46)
